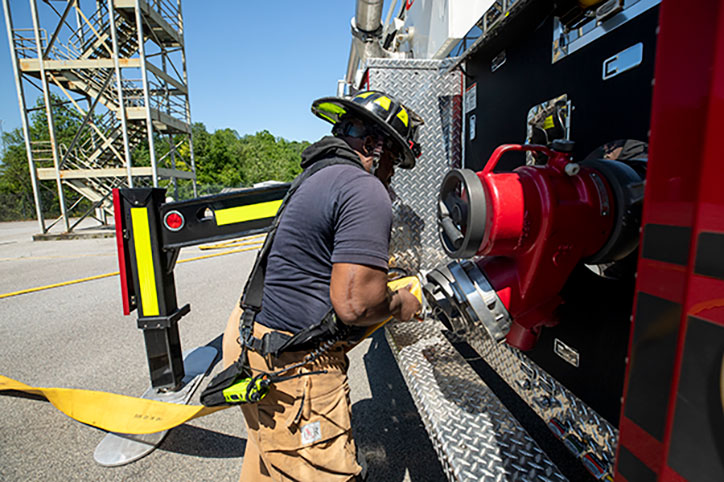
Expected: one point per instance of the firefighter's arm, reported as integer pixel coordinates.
(360, 296)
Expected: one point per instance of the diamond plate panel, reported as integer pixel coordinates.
(551, 400)
(437, 97)
(475, 436)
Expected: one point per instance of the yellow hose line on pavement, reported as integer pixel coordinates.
(107, 275)
(75, 256)
(113, 412)
(56, 285)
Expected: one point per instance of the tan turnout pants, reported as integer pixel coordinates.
(301, 431)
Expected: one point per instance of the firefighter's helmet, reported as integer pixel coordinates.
(381, 110)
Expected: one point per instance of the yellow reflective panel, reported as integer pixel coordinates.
(383, 102)
(251, 212)
(548, 122)
(144, 261)
(364, 95)
(402, 115)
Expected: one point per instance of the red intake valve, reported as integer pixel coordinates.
(529, 228)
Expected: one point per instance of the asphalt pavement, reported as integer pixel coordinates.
(76, 336)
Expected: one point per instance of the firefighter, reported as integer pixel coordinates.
(329, 255)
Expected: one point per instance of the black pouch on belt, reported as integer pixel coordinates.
(213, 395)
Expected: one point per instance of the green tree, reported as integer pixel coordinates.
(16, 190)
(224, 158)
(264, 158)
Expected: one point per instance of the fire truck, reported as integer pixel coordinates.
(566, 219)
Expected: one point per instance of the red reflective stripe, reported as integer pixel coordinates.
(118, 216)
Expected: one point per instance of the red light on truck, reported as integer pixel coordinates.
(173, 221)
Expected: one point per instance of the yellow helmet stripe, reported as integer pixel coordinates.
(402, 115)
(364, 95)
(384, 102)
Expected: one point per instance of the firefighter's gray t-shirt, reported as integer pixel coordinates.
(341, 214)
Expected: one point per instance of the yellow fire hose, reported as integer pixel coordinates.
(133, 415)
(113, 412)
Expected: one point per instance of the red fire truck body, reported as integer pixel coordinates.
(579, 266)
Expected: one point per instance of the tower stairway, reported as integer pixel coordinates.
(82, 66)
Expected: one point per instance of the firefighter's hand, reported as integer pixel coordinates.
(405, 306)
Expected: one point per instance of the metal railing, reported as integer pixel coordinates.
(490, 20)
(24, 41)
(169, 11)
(497, 12)
(167, 102)
(160, 98)
(42, 152)
(87, 33)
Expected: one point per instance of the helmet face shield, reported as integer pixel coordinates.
(381, 114)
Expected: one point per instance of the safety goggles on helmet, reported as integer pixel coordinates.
(389, 145)
(382, 111)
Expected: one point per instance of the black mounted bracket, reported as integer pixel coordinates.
(149, 236)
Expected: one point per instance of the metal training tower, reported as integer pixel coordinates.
(119, 66)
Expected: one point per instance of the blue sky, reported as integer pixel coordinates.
(253, 65)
